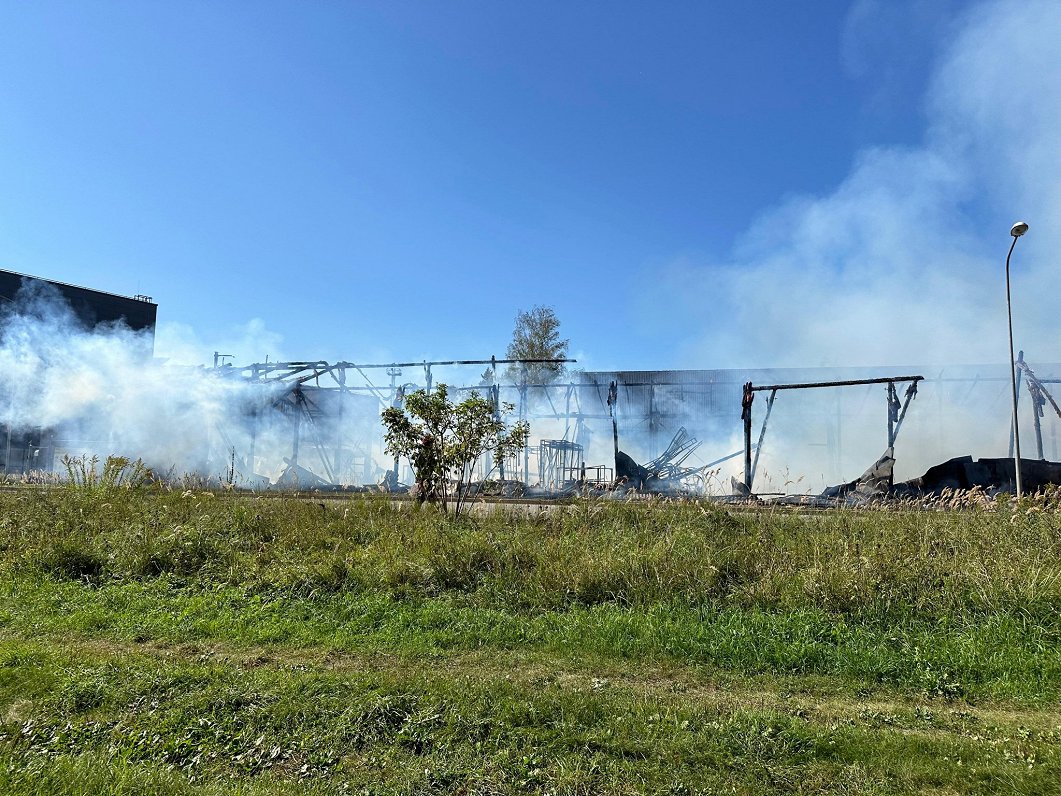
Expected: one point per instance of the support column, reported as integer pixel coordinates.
(297, 428)
(893, 401)
(746, 416)
(341, 378)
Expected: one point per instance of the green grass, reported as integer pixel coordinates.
(188, 642)
(1000, 656)
(470, 723)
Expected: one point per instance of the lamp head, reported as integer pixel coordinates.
(1018, 229)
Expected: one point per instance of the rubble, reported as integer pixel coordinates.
(665, 474)
(991, 475)
(875, 483)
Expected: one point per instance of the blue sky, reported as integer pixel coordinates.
(394, 180)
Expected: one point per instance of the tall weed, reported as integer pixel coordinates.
(983, 557)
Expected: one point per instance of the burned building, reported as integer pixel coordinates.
(828, 424)
(91, 307)
(660, 430)
(318, 423)
(32, 447)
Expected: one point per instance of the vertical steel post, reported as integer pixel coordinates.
(613, 399)
(762, 436)
(297, 428)
(488, 459)
(892, 401)
(523, 416)
(341, 378)
(746, 415)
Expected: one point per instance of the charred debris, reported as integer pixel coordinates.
(664, 475)
(988, 476)
(314, 425)
(321, 459)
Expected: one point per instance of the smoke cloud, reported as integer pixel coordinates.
(102, 393)
(903, 261)
(901, 265)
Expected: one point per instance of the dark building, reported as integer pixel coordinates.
(33, 449)
(92, 307)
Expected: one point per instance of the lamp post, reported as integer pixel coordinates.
(1016, 231)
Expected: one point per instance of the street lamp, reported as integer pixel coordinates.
(1016, 231)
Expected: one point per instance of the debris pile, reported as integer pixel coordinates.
(963, 473)
(666, 474)
(991, 475)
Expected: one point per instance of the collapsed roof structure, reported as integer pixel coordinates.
(316, 424)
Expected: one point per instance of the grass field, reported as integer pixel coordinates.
(179, 642)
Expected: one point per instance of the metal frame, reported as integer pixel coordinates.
(1040, 396)
(298, 378)
(896, 411)
(557, 460)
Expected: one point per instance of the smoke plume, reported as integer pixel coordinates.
(903, 261)
(902, 264)
(102, 393)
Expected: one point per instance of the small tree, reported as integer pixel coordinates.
(443, 440)
(536, 336)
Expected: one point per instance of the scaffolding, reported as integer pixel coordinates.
(560, 463)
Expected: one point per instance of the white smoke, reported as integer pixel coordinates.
(101, 393)
(903, 263)
(252, 341)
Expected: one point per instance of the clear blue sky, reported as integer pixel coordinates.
(396, 179)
